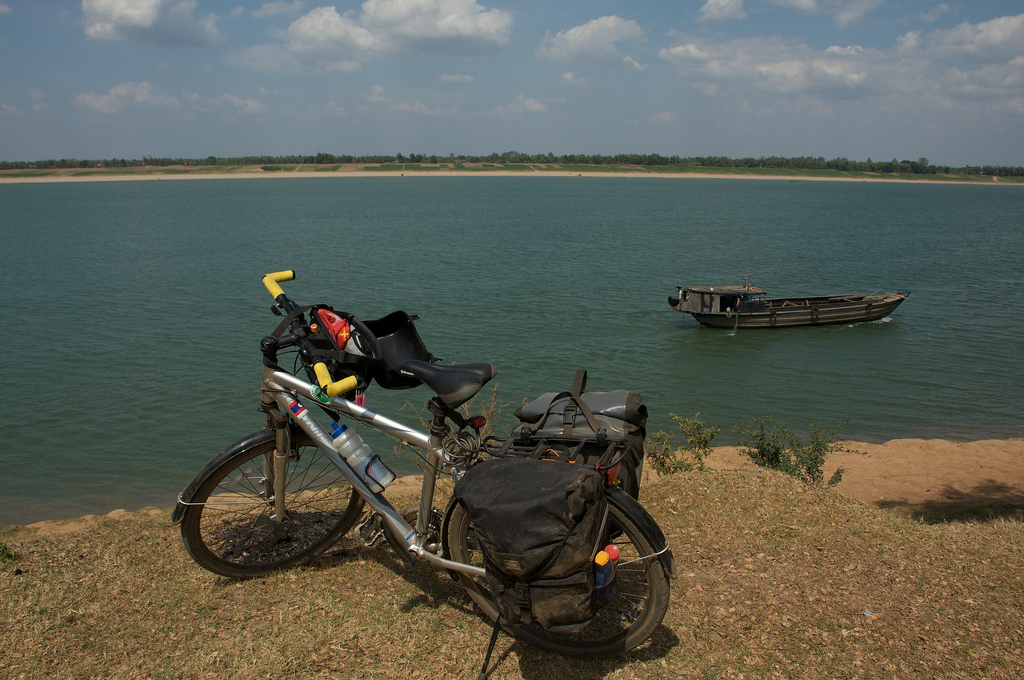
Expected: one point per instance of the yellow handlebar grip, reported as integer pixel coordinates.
(323, 376)
(342, 386)
(272, 280)
(333, 389)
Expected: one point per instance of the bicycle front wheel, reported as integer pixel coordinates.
(620, 625)
(229, 526)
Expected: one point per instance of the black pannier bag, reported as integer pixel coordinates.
(577, 413)
(539, 524)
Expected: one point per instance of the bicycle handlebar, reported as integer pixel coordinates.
(333, 388)
(329, 385)
(272, 281)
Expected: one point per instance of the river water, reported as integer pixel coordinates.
(133, 310)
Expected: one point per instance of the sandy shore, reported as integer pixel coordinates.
(76, 176)
(930, 479)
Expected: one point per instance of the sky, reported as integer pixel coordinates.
(878, 79)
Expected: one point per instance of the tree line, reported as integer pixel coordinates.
(920, 166)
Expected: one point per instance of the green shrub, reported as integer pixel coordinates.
(667, 460)
(771, 445)
(6, 554)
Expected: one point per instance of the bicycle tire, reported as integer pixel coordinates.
(619, 626)
(227, 524)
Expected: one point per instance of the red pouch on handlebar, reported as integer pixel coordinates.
(337, 328)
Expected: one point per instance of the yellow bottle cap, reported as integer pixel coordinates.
(601, 559)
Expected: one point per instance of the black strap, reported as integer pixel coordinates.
(291, 316)
(524, 602)
(569, 414)
(579, 382)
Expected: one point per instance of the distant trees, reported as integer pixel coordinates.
(919, 167)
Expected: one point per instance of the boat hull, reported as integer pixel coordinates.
(806, 312)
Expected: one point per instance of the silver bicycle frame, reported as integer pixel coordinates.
(284, 388)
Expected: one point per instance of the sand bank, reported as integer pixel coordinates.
(932, 479)
(928, 478)
(99, 176)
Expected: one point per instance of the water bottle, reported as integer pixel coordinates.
(370, 468)
(604, 574)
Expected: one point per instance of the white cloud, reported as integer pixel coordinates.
(809, 6)
(528, 105)
(38, 100)
(454, 78)
(439, 26)
(919, 67)
(997, 39)
(5, 9)
(324, 30)
(268, 58)
(418, 108)
(595, 40)
(144, 95)
(168, 23)
(937, 13)
(771, 65)
(909, 42)
(335, 108)
(227, 101)
(571, 78)
(992, 81)
(515, 110)
(634, 64)
(844, 12)
(239, 104)
(126, 95)
(853, 11)
(717, 10)
(345, 66)
(276, 9)
(450, 27)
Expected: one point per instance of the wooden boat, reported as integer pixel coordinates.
(747, 306)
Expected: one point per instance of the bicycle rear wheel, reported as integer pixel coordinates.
(624, 623)
(228, 525)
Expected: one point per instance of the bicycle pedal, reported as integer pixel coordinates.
(370, 529)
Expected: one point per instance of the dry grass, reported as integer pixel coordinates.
(775, 580)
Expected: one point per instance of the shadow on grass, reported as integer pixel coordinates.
(437, 588)
(983, 503)
(536, 664)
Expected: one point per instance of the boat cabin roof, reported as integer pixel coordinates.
(726, 290)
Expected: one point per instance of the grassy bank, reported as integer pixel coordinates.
(774, 580)
(521, 169)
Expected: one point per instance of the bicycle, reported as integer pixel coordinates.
(281, 496)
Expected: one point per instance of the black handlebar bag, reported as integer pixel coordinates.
(539, 525)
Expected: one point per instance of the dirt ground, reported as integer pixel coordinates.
(934, 480)
(931, 479)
